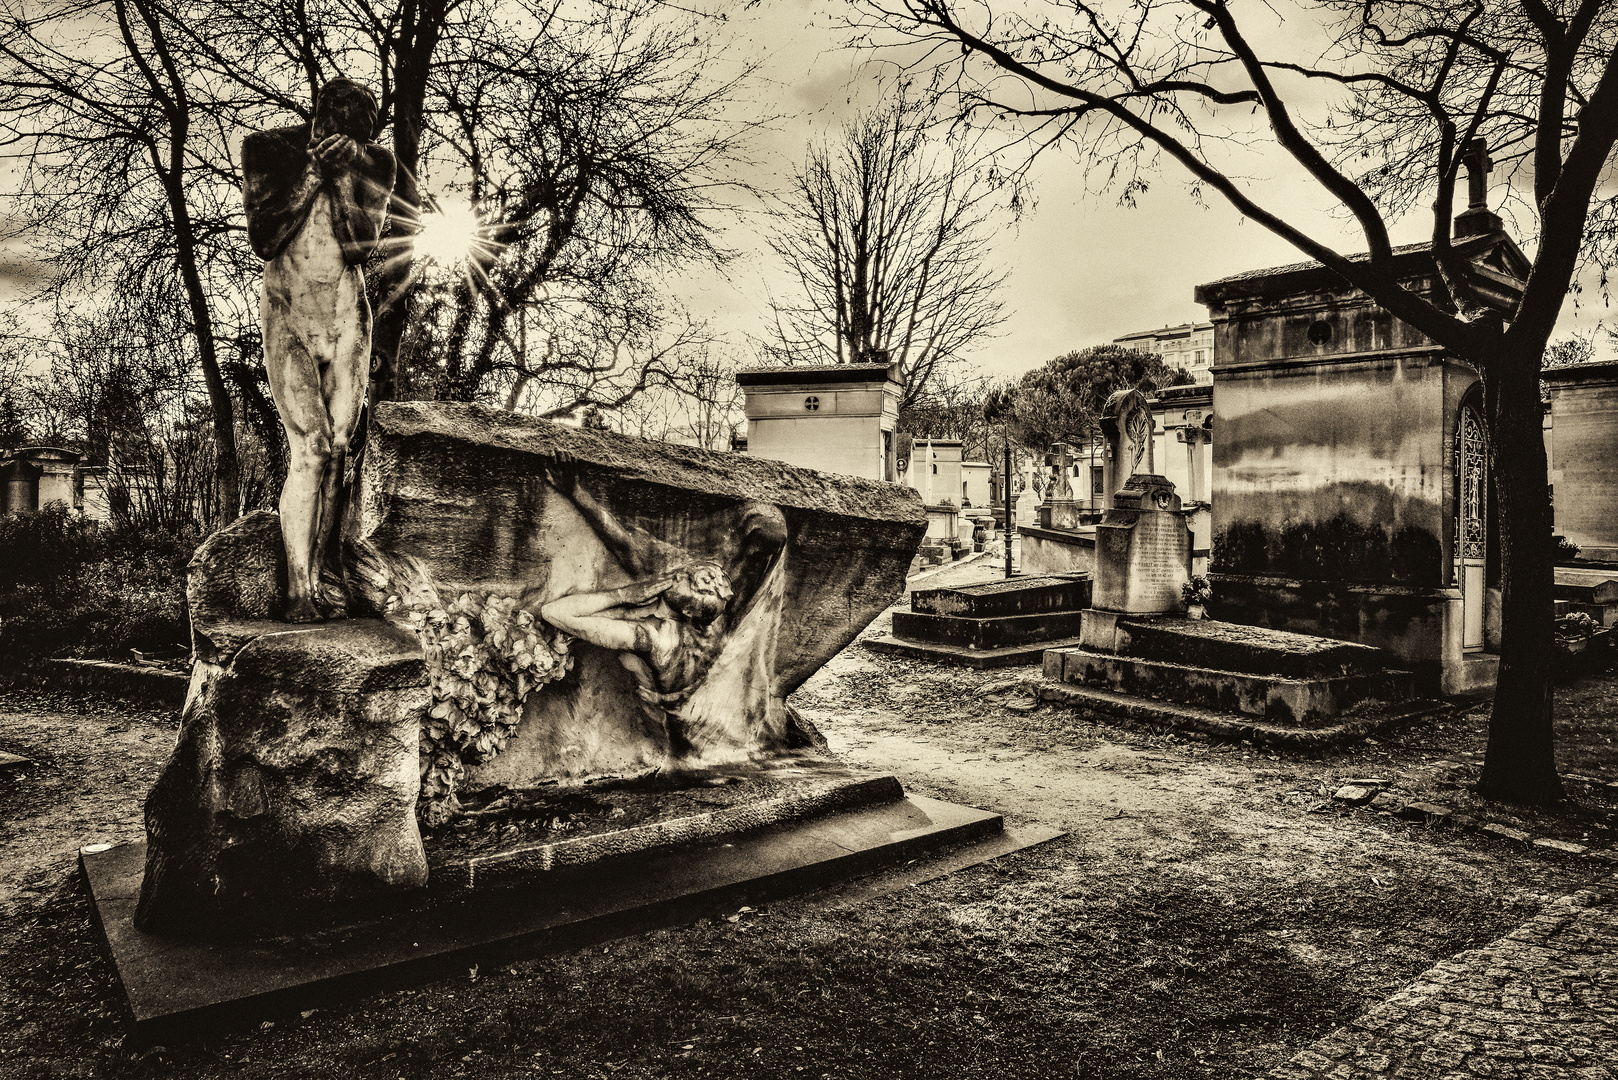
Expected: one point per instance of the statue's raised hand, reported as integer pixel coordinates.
(561, 472)
(334, 152)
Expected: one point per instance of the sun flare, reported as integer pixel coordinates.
(448, 235)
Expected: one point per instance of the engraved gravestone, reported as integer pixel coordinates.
(1143, 549)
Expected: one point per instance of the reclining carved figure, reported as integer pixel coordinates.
(674, 622)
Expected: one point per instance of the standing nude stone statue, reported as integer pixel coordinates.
(317, 200)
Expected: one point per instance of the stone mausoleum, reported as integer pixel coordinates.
(1584, 469)
(839, 418)
(34, 477)
(1350, 488)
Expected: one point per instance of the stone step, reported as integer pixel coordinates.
(1301, 702)
(1258, 650)
(993, 633)
(1018, 596)
(1095, 703)
(980, 659)
(177, 987)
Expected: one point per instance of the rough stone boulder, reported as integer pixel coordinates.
(293, 782)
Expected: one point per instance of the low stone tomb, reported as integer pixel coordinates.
(1589, 592)
(993, 625)
(1234, 680)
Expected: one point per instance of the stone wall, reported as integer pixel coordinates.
(1336, 472)
(1584, 467)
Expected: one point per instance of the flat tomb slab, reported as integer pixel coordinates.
(1312, 702)
(174, 987)
(1586, 586)
(989, 633)
(1011, 656)
(1018, 596)
(519, 833)
(1227, 646)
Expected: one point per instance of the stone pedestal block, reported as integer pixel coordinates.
(1143, 549)
(1065, 514)
(293, 783)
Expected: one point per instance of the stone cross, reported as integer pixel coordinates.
(1061, 460)
(1478, 166)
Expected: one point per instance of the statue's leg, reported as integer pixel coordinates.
(295, 382)
(344, 380)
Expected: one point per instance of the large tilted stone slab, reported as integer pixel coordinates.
(462, 489)
(293, 783)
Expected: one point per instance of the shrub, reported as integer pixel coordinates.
(71, 587)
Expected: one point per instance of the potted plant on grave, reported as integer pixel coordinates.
(1195, 594)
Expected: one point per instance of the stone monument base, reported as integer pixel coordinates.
(498, 914)
(1058, 551)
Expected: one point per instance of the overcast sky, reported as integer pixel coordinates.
(1082, 269)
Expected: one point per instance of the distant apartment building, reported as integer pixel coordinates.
(1189, 346)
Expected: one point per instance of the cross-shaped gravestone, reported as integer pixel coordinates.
(1478, 166)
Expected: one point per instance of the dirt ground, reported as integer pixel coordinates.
(1209, 912)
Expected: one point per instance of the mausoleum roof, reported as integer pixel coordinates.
(1485, 249)
(1601, 369)
(41, 453)
(818, 373)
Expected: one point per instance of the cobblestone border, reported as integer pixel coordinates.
(1372, 795)
(1537, 1004)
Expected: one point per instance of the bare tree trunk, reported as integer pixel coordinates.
(219, 400)
(417, 39)
(169, 89)
(1520, 763)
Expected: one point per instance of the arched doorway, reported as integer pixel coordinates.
(1471, 523)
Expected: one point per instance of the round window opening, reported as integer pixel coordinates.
(1320, 332)
(811, 403)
